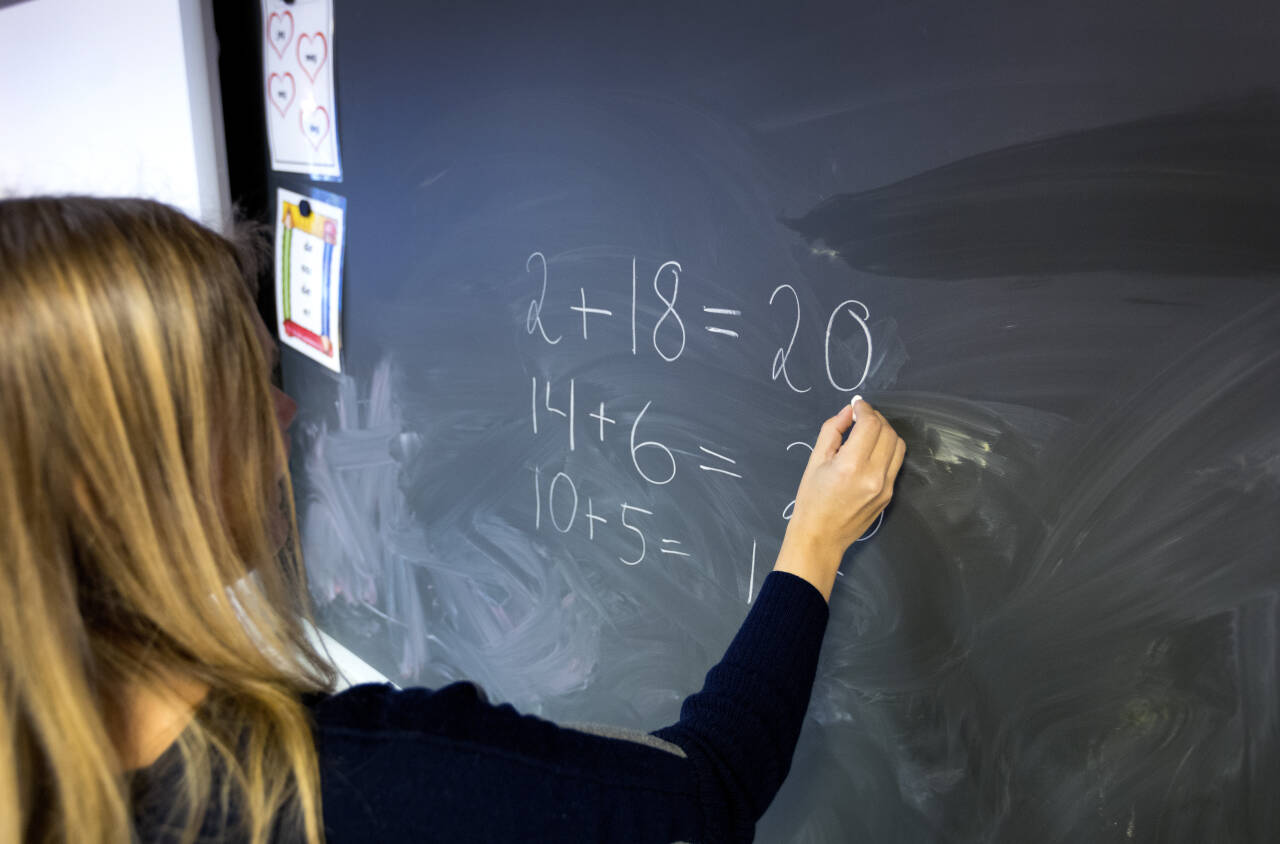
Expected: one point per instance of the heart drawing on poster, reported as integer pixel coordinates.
(312, 51)
(280, 90)
(280, 31)
(314, 125)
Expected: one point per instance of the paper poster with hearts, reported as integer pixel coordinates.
(297, 64)
(310, 230)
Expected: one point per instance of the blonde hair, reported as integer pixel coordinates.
(140, 460)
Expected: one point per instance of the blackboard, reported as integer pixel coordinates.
(1043, 238)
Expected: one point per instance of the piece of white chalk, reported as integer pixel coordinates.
(853, 403)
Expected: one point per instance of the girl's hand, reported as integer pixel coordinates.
(844, 488)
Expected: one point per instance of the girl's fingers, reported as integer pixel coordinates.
(899, 453)
(831, 435)
(882, 453)
(866, 433)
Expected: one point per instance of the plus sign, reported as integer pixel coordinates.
(603, 419)
(585, 310)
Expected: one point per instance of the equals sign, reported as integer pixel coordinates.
(718, 456)
(672, 550)
(715, 329)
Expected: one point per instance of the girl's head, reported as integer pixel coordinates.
(143, 503)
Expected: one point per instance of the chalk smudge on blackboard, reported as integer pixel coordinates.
(1102, 631)
(1191, 193)
(483, 614)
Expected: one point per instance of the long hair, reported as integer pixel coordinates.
(141, 472)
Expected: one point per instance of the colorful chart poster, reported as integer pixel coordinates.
(308, 270)
(297, 67)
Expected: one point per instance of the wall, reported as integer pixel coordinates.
(112, 99)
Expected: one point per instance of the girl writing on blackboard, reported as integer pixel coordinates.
(156, 680)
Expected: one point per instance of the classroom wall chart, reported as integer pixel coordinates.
(308, 273)
(297, 67)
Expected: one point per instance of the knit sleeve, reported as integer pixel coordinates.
(740, 730)
(447, 765)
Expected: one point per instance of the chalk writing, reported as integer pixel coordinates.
(790, 508)
(670, 312)
(568, 412)
(846, 352)
(639, 533)
(551, 502)
(563, 490)
(780, 357)
(862, 323)
(718, 469)
(533, 320)
(715, 329)
(599, 415)
(637, 447)
(592, 518)
(585, 310)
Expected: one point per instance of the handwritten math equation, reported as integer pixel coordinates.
(560, 409)
(669, 334)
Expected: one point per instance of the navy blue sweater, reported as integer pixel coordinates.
(420, 765)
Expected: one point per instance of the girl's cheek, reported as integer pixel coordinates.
(286, 411)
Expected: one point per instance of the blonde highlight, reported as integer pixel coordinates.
(139, 462)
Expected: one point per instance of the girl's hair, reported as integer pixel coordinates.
(141, 472)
